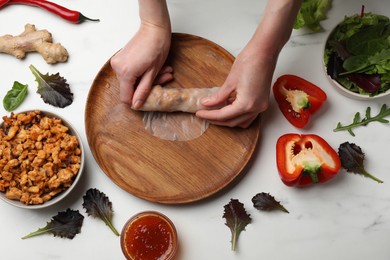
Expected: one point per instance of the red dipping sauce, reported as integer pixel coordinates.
(149, 235)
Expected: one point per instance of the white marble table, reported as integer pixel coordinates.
(346, 218)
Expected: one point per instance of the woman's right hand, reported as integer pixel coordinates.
(139, 64)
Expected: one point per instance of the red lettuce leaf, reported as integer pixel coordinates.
(98, 205)
(53, 88)
(66, 224)
(236, 219)
(265, 201)
(369, 83)
(352, 159)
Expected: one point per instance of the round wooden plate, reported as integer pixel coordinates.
(170, 172)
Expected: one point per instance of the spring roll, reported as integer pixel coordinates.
(170, 99)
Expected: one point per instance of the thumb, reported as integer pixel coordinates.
(142, 91)
(223, 95)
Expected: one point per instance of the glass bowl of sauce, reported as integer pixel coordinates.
(149, 235)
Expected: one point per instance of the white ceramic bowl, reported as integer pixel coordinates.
(346, 92)
(342, 90)
(65, 192)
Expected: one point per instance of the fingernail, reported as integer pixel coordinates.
(137, 104)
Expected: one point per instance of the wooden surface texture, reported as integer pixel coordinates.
(169, 172)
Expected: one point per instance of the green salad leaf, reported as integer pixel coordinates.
(354, 23)
(98, 205)
(53, 88)
(357, 53)
(377, 63)
(236, 219)
(15, 96)
(311, 13)
(369, 40)
(66, 224)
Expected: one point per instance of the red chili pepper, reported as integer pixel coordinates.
(297, 98)
(305, 159)
(67, 14)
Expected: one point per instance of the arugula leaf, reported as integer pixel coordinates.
(265, 201)
(98, 205)
(352, 159)
(236, 219)
(311, 13)
(15, 96)
(66, 224)
(53, 88)
(380, 117)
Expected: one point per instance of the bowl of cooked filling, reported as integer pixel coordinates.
(41, 159)
(357, 56)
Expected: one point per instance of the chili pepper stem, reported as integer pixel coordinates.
(368, 175)
(83, 18)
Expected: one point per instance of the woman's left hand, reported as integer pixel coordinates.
(244, 94)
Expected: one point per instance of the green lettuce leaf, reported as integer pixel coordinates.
(355, 23)
(311, 13)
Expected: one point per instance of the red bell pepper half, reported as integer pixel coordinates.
(305, 159)
(297, 98)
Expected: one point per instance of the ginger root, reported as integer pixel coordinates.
(32, 40)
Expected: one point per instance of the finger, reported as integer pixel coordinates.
(223, 114)
(230, 115)
(248, 122)
(166, 69)
(220, 97)
(243, 121)
(143, 89)
(163, 78)
(126, 90)
(165, 75)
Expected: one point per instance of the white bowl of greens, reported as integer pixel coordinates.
(357, 56)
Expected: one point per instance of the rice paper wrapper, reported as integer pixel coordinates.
(176, 126)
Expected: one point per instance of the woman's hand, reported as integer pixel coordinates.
(139, 65)
(245, 92)
(249, 81)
